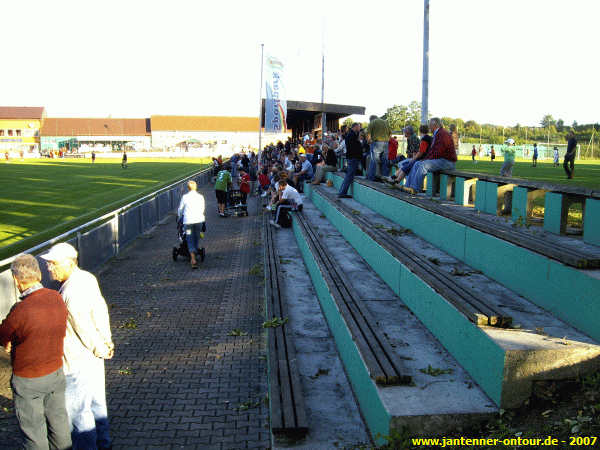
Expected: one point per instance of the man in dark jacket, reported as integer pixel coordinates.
(34, 331)
(569, 163)
(354, 155)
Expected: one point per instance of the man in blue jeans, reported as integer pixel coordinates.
(88, 342)
(441, 156)
(354, 156)
(379, 136)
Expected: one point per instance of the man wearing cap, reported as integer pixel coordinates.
(191, 210)
(34, 332)
(88, 342)
(379, 136)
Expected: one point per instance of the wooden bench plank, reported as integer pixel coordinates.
(569, 256)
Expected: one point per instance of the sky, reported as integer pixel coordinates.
(493, 61)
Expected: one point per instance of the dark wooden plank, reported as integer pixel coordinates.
(579, 259)
(375, 370)
(532, 184)
(478, 313)
(301, 421)
(274, 388)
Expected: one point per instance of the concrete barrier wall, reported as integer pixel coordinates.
(569, 293)
(103, 242)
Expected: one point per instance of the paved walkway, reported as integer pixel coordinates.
(178, 380)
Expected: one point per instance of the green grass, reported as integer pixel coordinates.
(44, 198)
(586, 174)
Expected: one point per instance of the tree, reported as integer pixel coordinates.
(396, 117)
(547, 121)
(560, 125)
(348, 122)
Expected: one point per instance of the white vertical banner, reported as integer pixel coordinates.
(275, 103)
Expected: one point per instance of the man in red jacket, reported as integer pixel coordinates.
(441, 156)
(33, 332)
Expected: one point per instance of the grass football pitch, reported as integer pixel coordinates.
(586, 173)
(44, 198)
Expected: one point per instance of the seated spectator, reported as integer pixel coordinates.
(329, 164)
(264, 183)
(407, 164)
(306, 171)
(289, 199)
(441, 156)
(34, 333)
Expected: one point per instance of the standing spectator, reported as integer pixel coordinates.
(473, 154)
(406, 165)
(191, 210)
(34, 333)
(509, 158)
(392, 157)
(366, 150)
(124, 160)
(354, 155)
(222, 184)
(441, 156)
(93, 156)
(455, 136)
(493, 154)
(556, 157)
(234, 164)
(244, 186)
(88, 342)
(412, 142)
(569, 162)
(379, 136)
(535, 155)
(329, 164)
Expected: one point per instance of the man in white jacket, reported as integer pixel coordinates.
(191, 209)
(88, 342)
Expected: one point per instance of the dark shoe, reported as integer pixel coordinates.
(344, 196)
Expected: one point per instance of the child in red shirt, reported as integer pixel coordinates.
(263, 181)
(244, 185)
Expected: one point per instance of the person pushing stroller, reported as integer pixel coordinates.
(191, 210)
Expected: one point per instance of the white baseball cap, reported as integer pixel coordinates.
(60, 252)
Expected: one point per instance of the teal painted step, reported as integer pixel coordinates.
(568, 293)
(472, 348)
(591, 222)
(375, 414)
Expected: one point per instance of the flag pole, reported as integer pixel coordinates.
(262, 48)
(425, 89)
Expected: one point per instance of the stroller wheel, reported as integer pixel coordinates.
(202, 254)
(175, 252)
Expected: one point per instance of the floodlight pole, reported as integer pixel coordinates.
(425, 90)
(262, 49)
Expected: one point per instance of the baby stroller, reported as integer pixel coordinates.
(183, 250)
(234, 206)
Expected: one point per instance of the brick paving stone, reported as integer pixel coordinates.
(182, 377)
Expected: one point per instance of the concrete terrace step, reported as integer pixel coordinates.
(505, 362)
(569, 293)
(443, 395)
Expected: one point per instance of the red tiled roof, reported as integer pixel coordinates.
(203, 123)
(21, 112)
(60, 126)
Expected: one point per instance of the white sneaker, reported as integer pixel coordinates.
(276, 225)
(264, 194)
